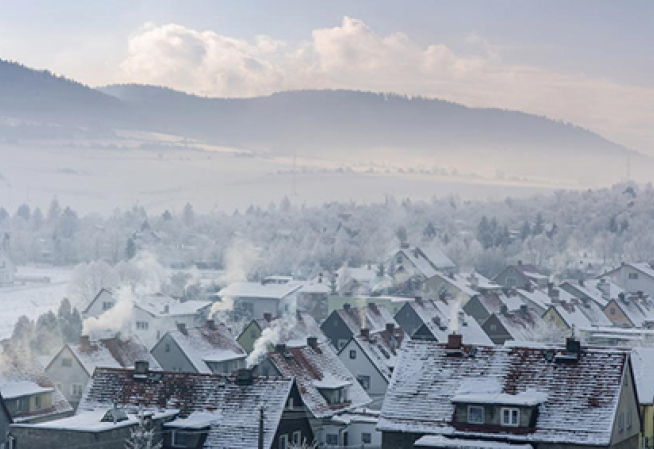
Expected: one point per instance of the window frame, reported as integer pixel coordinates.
(468, 415)
(353, 354)
(283, 442)
(366, 437)
(331, 435)
(297, 437)
(176, 434)
(510, 410)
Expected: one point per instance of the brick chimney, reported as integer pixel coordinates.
(245, 376)
(182, 328)
(390, 328)
(280, 347)
(454, 341)
(365, 333)
(347, 306)
(267, 316)
(85, 342)
(419, 299)
(211, 324)
(312, 342)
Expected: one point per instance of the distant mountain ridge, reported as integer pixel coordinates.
(313, 121)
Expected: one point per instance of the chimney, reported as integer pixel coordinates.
(419, 299)
(280, 347)
(454, 341)
(141, 369)
(84, 342)
(504, 310)
(312, 342)
(573, 347)
(182, 328)
(524, 309)
(346, 306)
(404, 245)
(211, 324)
(166, 309)
(267, 317)
(390, 328)
(365, 332)
(244, 376)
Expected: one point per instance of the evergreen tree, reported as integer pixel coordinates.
(430, 231)
(130, 249)
(539, 224)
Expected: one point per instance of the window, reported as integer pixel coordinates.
(511, 281)
(283, 442)
(67, 362)
(21, 405)
(167, 347)
(353, 354)
(106, 305)
(493, 327)
(332, 439)
(76, 390)
(633, 275)
(475, 414)
(142, 325)
(510, 417)
(398, 260)
(612, 310)
(37, 402)
(621, 422)
(180, 439)
(366, 438)
(630, 419)
(364, 381)
(297, 437)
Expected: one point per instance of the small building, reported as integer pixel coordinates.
(291, 332)
(546, 397)
(522, 324)
(371, 358)
(631, 310)
(599, 290)
(481, 307)
(72, 367)
(325, 384)
(633, 277)
(459, 286)
(410, 268)
(522, 275)
(356, 281)
(207, 349)
(570, 316)
(253, 299)
(343, 324)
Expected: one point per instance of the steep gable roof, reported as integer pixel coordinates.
(638, 310)
(292, 332)
(260, 290)
(580, 398)
(382, 349)
(428, 260)
(231, 409)
(314, 369)
(371, 316)
(522, 324)
(642, 360)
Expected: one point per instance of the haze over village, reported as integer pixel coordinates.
(292, 225)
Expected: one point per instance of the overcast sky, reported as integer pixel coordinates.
(588, 62)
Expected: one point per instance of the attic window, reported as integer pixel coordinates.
(475, 414)
(633, 275)
(510, 417)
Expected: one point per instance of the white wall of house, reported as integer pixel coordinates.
(632, 280)
(333, 435)
(100, 305)
(361, 365)
(68, 374)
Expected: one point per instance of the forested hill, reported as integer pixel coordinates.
(350, 120)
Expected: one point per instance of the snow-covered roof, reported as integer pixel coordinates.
(638, 310)
(440, 441)
(111, 353)
(522, 324)
(161, 305)
(581, 396)
(293, 331)
(428, 260)
(371, 316)
(382, 348)
(537, 298)
(210, 343)
(436, 316)
(234, 405)
(260, 290)
(315, 367)
(593, 289)
(20, 388)
(642, 360)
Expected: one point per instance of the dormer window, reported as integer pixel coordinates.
(475, 414)
(510, 417)
(335, 391)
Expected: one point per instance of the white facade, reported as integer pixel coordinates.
(362, 368)
(634, 278)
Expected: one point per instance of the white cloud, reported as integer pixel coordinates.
(354, 56)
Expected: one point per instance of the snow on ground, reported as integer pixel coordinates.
(32, 299)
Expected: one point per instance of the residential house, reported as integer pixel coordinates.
(537, 300)
(522, 324)
(633, 277)
(356, 281)
(481, 307)
(252, 299)
(459, 286)
(599, 290)
(643, 366)
(7, 269)
(325, 384)
(360, 426)
(152, 315)
(291, 332)
(631, 311)
(74, 364)
(545, 397)
(371, 358)
(213, 411)
(208, 349)
(392, 303)
(432, 319)
(28, 393)
(5, 421)
(313, 298)
(343, 324)
(411, 267)
(522, 275)
(573, 315)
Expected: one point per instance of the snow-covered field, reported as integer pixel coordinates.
(33, 299)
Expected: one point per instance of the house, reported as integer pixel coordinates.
(343, 324)
(360, 428)
(292, 332)
(411, 267)
(152, 315)
(253, 299)
(213, 411)
(538, 300)
(599, 290)
(522, 324)
(631, 311)
(459, 286)
(541, 396)
(633, 277)
(27, 392)
(313, 298)
(7, 269)
(481, 307)
(522, 275)
(325, 384)
(207, 349)
(355, 281)
(570, 316)
(5, 421)
(72, 367)
(643, 366)
(371, 358)
(431, 319)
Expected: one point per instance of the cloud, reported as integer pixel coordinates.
(354, 56)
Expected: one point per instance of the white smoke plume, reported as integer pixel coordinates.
(274, 333)
(115, 320)
(240, 259)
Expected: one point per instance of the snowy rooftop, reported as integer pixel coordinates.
(580, 406)
(164, 305)
(234, 406)
(208, 344)
(382, 348)
(522, 324)
(112, 353)
(16, 389)
(428, 260)
(643, 364)
(294, 332)
(260, 290)
(371, 316)
(319, 368)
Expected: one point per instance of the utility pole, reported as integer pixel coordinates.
(261, 416)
